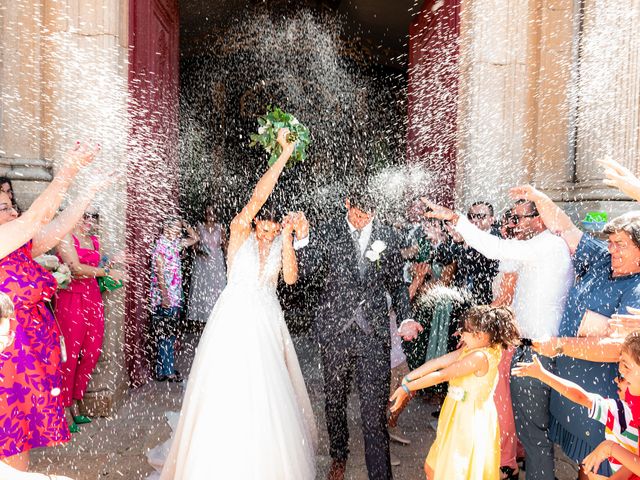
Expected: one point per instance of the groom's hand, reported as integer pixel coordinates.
(300, 225)
(409, 330)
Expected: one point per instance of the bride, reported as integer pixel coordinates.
(246, 413)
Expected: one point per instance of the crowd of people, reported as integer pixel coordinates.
(511, 322)
(572, 295)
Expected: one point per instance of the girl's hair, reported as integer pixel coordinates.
(631, 346)
(497, 322)
(6, 306)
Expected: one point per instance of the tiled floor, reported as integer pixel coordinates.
(116, 447)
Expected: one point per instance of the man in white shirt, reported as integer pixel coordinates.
(545, 274)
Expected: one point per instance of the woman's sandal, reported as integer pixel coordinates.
(509, 473)
(74, 428)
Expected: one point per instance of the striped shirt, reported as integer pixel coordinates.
(619, 424)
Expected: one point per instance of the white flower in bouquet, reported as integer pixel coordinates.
(59, 270)
(50, 262)
(63, 276)
(267, 136)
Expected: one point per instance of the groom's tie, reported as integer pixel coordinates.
(356, 240)
(358, 317)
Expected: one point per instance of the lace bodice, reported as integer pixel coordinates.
(246, 270)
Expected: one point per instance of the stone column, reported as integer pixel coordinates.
(84, 76)
(20, 99)
(493, 98)
(608, 109)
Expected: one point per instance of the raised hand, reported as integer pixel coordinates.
(437, 211)
(620, 177)
(525, 192)
(81, 155)
(532, 369)
(284, 143)
(300, 225)
(623, 324)
(287, 224)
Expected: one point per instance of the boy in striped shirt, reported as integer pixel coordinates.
(617, 415)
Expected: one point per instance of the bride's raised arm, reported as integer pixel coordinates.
(241, 224)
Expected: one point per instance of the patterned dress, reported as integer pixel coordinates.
(31, 413)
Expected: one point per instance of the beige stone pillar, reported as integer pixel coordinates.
(84, 97)
(493, 98)
(516, 72)
(20, 99)
(608, 115)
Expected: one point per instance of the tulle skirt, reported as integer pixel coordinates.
(246, 413)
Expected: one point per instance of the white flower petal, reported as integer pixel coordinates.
(261, 130)
(378, 246)
(372, 255)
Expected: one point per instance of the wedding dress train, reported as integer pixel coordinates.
(246, 413)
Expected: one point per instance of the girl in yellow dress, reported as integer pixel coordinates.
(467, 445)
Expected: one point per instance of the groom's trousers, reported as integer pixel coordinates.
(350, 355)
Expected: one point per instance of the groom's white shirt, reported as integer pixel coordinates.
(365, 234)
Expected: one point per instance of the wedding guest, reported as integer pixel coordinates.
(474, 271)
(29, 368)
(80, 312)
(7, 187)
(504, 285)
(166, 293)
(7, 335)
(14, 231)
(619, 415)
(209, 270)
(608, 282)
(433, 307)
(545, 275)
(467, 441)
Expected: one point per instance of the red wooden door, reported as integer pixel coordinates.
(433, 94)
(152, 186)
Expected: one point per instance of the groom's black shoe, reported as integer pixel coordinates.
(336, 472)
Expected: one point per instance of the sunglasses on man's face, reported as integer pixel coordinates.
(516, 218)
(91, 216)
(477, 216)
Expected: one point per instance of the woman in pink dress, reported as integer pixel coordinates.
(80, 313)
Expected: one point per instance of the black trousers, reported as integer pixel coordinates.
(355, 355)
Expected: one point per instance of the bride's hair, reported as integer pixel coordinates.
(271, 211)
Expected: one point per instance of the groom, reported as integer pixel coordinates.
(359, 260)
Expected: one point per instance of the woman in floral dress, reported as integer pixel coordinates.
(31, 414)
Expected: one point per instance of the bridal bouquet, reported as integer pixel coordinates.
(59, 270)
(267, 135)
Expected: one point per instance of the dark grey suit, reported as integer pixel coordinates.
(353, 287)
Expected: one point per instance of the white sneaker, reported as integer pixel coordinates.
(395, 461)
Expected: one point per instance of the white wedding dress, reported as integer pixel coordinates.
(246, 413)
